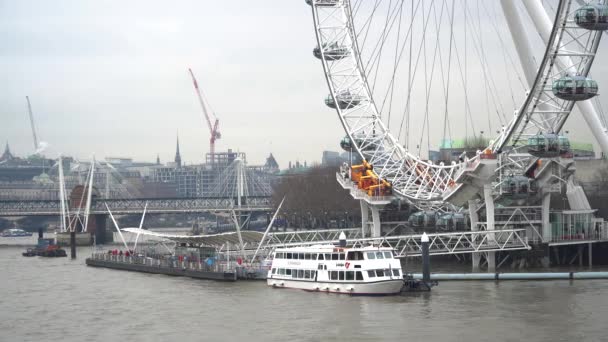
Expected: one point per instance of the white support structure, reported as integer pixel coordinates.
(489, 201)
(63, 213)
(376, 228)
(440, 244)
(520, 38)
(473, 206)
(544, 27)
(364, 217)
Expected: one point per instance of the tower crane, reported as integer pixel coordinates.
(212, 121)
(29, 108)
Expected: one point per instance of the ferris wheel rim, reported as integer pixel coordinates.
(386, 137)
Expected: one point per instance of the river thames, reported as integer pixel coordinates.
(64, 300)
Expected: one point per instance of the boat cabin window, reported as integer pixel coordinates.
(354, 255)
(281, 271)
(371, 255)
(327, 256)
(395, 272)
(333, 275)
(301, 256)
(334, 256)
(300, 273)
(288, 255)
(350, 275)
(379, 255)
(388, 255)
(342, 256)
(321, 256)
(371, 274)
(379, 273)
(340, 275)
(274, 271)
(359, 275)
(307, 256)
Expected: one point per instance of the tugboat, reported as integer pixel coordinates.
(45, 248)
(15, 233)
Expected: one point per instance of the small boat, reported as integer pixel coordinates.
(15, 233)
(326, 268)
(45, 248)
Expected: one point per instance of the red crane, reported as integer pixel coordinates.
(209, 115)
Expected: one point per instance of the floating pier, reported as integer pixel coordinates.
(515, 276)
(162, 266)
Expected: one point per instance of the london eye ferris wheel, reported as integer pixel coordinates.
(503, 76)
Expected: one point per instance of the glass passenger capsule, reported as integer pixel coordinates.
(592, 17)
(345, 100)
(518, 187)
(331, 52)
(575, 88)
(451, 221)
(346, 144)
(324, 3)
(548, 145)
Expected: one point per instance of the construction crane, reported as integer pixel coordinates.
(209, 115)
(29, 108)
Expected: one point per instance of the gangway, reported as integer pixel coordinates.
(440, 243)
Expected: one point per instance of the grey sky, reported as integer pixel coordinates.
(110, 78)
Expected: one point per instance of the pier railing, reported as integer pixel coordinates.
(195, 265)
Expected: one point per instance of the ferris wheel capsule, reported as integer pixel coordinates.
(331, 52)
(518, 187)
(575, 88)
(324, 3)
(548, 145)
(346, 144)
(345, 100)
(592, 17)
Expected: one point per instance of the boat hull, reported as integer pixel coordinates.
(379, 288)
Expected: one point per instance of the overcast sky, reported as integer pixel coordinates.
(110, 78)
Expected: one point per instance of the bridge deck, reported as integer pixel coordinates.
(136, 205)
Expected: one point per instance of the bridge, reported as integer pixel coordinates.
(451, 243)
(136, 205)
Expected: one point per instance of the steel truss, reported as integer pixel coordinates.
(136, 206)
(440, 243)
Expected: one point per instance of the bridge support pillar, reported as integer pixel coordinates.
(546, 225)
(475, 257)
(364, 217)
(490, 225)
(491, 257)
(376, 228)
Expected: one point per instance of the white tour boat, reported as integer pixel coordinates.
(327, 268)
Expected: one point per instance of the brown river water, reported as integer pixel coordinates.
(64, 300)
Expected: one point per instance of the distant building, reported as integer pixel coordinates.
(7, 155)
(271, 164)
(331, 158)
